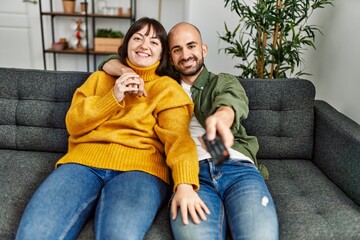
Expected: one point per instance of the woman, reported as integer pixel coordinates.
(124, 137)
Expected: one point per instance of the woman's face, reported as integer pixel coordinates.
(144, 49)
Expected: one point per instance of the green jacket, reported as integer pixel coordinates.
(211, 91)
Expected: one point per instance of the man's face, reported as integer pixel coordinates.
(187, 51)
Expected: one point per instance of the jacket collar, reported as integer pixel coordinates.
(201, 80)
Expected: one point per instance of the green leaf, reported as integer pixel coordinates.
(295, 35)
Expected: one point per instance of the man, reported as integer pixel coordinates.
(235, 192)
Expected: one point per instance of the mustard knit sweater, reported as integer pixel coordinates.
(147, 134)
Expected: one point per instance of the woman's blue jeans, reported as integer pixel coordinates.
(238, 198)
(125, 204)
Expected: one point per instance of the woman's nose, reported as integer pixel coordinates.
(145, 45)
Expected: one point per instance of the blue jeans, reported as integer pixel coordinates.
(238, 198)
(124, 204)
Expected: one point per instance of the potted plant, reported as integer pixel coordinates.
(69, 6)
(271, 36)
(107, 40)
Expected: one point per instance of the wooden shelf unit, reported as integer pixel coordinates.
(88, 16)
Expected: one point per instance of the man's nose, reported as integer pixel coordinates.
(185, 54)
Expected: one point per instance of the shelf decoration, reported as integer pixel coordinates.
(60, 45)
(101, 5)
(124, 14)
(107, 40)
(83, 7)
(82, 39)
(77, 41)
(69, 6)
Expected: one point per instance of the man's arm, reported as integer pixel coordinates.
(220, 122)
(228, 108)
(115, 68)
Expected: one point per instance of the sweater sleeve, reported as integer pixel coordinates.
(92, 104)
(173, 131)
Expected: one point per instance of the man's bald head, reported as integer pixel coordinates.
(184, 26)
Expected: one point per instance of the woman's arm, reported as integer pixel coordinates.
(92, 104)
(181, 155)
(188, 200)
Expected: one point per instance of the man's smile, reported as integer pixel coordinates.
(188, 62)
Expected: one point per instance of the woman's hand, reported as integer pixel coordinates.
(188, 200)
(129, 83)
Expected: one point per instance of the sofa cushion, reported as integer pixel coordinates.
(309, 204)
(281, 116)
(33, 106)
(21, 172)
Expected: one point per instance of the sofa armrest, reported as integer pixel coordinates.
(337, 148)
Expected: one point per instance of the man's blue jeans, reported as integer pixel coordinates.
(237, 197)
(125, 204)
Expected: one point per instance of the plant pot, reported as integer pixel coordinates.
(69, 6)
(109, 45)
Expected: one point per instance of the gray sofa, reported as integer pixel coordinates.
(311, 151)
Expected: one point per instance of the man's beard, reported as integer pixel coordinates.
(193, 70)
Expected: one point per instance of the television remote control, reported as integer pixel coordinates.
(217, 150)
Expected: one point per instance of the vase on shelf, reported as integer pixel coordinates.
(83, 7)
(69, 6)
(101, 5)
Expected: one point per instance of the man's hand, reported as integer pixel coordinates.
(220, 122)
(188, 200)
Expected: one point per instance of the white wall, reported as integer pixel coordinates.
(335, 63)
(209, 16)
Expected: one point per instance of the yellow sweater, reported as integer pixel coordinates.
(147, 134)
